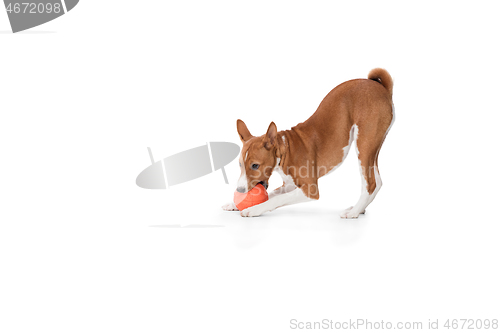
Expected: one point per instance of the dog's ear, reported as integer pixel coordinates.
(271, 134)
(243, 131)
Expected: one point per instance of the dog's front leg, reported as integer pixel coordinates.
(288, 186)
(289, 198)
(279, 191)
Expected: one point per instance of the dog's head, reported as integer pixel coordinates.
(258, 157)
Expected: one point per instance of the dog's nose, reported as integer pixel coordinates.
(240, 189)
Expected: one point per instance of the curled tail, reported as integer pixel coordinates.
(382, 76)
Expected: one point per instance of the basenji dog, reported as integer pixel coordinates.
(358, 110)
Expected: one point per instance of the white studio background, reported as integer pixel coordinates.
(83, 249)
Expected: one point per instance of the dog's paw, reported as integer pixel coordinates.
(350, 213)
(251, 212)
(230, 206)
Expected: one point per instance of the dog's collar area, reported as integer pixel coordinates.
(281, 150)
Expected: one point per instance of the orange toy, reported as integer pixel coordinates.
(255, 196)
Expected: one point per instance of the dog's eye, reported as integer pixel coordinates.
(255, 166)
(240, 165)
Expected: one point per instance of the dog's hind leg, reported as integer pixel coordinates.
(368, 145)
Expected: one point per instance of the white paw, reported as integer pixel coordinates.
(229, 206)
(351, 213)
(251, 212)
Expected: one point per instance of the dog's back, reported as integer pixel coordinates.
(362, 103)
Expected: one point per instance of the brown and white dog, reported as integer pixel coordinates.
(360, 110)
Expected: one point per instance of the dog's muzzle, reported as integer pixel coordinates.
(241, 189)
